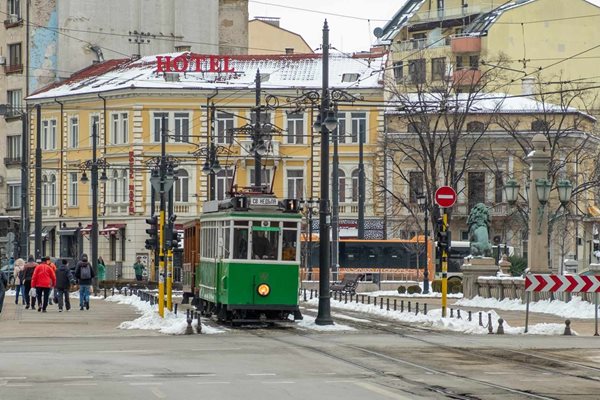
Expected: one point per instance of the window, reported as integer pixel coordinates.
(224, 127)
(49, 190)
(124, 186)
(49, 134)
(418, 40)
(499, 187)
(14, 8)
(399, 71)
(158, 117)
(73, 132)
(539, 125)
(340, 131)
(474, 62)
(438, 68)
(13, 151)
(265, 176)
(15, 62)
(341, 186)
(415, 185)
(416, 71)
(182, 127)
(119, 190)
(265, 118)
(114, 187)
(440, 4)
(182, 186)
(223, 184)
(459, 62)
(14, 195)
(14, 98)
(476, 188)
(416, 127)
(94, 124)
(350, 77)
(295, 128)
(355, 186)
(295, 184)
(72, 189)
(119, 128)
(358, 127)
(475, 126)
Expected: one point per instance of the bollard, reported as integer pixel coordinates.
(417, 308)
(351, 297)
(369, 300)
(500, 330)
(113, 291)
(469, 316)
(451, 313)
(490, 327)
(356, 299)
(408, 307)
(567, 328)
(362, 299)
(304, 294)
(381, 303)
(199, 327)
(401, 305)
(425, 308)
(458, 314)
(480, 319)
(387, 304)
(345, 298)
(152, 300)
(175, 309)
(104, 292)
(311, 294)
(188, 330)
(394, 304)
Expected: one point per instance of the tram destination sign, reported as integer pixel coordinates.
(263, 201)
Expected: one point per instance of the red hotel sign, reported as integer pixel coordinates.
(193, 63)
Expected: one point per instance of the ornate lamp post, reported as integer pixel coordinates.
(423, 204)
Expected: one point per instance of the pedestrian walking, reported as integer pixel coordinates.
(19, 274)
(27, 276)
(84, 274)
(64, 280)
(48, 261)
(44, 279)
(3, 288)
(101, 269)
(138, 268)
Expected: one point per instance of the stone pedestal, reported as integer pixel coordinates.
(474, 268)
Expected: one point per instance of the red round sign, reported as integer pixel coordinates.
(445, 196)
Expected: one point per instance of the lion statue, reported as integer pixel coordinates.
(479, 228)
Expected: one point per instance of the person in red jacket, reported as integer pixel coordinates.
(43, 281)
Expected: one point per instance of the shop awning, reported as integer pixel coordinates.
(112, 229)
(45, 231)
(86, 230)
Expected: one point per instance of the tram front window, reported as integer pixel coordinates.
(289, 245)
(265, 241)
(240, 243)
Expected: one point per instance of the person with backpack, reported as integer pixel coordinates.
(27, 276)
(43, 281)
(84, 274)
(64, 279)
(19, 274)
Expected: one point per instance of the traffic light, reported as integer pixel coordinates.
(175, 239)
(152, 242)
(443, 235)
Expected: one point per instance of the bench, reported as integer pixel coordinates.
(347, 285)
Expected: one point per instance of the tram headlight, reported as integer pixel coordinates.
(263, 289)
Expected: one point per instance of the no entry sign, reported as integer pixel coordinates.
(445, 196)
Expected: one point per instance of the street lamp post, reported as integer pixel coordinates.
(326, 122)
(424, 205)
(38, 183)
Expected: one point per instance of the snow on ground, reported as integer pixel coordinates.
(72, 295)
(150, 320)
(389, 293)
(309, 323)
(434, 319)
(576, 308)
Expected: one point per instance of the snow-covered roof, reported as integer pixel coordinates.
(400, 19)
(277, 72)
(483, 23)
(473, 103)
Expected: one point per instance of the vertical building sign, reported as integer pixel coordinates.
(131, 184)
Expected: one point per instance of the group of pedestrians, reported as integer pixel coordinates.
(43, 280)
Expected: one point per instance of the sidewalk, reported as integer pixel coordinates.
(102, 319)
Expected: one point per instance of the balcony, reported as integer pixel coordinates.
(466, 77)
(419, 44)
(13, 21)
(13, 69)
(465, 44)
(117, 209)
(449, 13)
(12, 160)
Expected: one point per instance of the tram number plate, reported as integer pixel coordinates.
(263, 201)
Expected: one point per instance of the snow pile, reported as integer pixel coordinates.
(150, 320)
(576, 308)
(309, 323)
(390, 293)
(434, 319)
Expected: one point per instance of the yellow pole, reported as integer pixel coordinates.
(170, 279)
(444, 267)
(161, 275)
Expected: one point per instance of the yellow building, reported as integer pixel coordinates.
(454, 41)
(127, 100)
(265, 36)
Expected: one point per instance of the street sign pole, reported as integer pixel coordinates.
(444, 267)
(445, 197)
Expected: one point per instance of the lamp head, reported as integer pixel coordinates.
(330, 120)
(511, 191)
(565, 189)
(317, 123)
(542, 187)
(216, 167)
(84, 178)
(206, 167)
(103, 177)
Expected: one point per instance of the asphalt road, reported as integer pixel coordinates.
(379, 360)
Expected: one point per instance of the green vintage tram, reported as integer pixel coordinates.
(249, 259)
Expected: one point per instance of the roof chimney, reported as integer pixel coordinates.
(183, 47)
(527, 86)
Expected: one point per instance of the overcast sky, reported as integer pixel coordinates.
(346, 34)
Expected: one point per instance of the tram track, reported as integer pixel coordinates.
(523, 359)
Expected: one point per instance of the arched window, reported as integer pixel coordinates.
(341, 186)
(114, 186)
(475, 126)
(182, 186)
(44, 191)
(124, 187)
(49, 190)
(355, 186)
